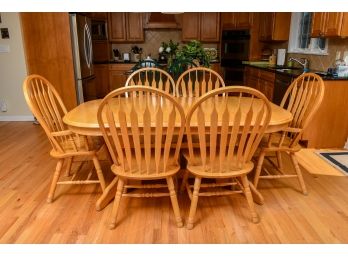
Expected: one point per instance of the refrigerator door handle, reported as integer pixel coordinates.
(89, 36)
(85, 46)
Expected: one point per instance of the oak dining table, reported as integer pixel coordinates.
(83, 120)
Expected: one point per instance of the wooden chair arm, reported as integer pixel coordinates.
(62, 133)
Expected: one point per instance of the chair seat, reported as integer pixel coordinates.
(144, 174)
(72, 148)
(285, 146)
(227, 168)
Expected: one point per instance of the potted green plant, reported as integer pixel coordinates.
(189, 55)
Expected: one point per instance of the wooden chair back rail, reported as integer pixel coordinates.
(233, 136)
(198, 81)
(302, 99)
(48, 108)
(152, 77)
(135, 149)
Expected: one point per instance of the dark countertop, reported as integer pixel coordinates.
(294, 72)
(132, 62)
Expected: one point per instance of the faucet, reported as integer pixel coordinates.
(304, 63)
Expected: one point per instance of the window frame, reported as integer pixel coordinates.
(294, 39)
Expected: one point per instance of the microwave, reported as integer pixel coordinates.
(99, 30)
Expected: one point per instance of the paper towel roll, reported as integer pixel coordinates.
(281, 56)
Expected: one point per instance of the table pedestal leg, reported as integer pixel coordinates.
(108, 195)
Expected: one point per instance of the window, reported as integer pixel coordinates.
(300, 32)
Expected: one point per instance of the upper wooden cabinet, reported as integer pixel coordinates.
(126, 27)
(97, 15)
(329, 24)
(201, 26)
(236, 20)
(274, 26)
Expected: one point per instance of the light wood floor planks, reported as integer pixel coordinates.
(286, 217)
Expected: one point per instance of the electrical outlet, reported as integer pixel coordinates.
(3, 106)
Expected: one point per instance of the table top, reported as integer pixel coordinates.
(83, 118)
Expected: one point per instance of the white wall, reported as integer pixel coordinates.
(13, 71)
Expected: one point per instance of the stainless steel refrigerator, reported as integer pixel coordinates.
(81, 38)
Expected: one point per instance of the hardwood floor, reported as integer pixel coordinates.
(286, 217)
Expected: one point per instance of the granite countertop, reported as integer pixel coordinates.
(132, 62)
(291, 71)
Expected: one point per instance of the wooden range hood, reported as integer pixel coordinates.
(158, 20)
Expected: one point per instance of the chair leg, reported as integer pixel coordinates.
(117, 201)
(174, 201)
(68, 167)
(279, 160)
(184, 181)
(99, 172)
(194, 202)
(259, 168)
(249, 197)
(55, 180)
(299, 173)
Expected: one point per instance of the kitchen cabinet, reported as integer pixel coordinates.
(216, 67)
(97, 15)
(329, 126)
(125, 27)
(260, 80)
(201, 26)
(101, 72)
(236, 20)
(100, 50)
(274, 26)
(329, 24)
(118, 75)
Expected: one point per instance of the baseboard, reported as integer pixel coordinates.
(17, 118)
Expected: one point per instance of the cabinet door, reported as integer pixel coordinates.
(101, 72)
(100, 51)
(243, 20)
(98, 15)
(117, 27)
(280, 26)
(265, 33)
(333, 24)
(134, 28)
(210, 27)
(318, 19)
(228, 20)
(190, 26)
(118, 75)
(216, 67)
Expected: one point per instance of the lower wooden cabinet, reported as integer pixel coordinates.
(216, 67)
(261, 80)
(118, 75)
(329, 126)
(101, 72)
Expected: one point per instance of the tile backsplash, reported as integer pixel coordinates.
(320, 62)
(153, 40)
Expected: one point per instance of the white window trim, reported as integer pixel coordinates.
(293, 39)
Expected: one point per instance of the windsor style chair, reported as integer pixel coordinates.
(197, 81)
(228, 136)
(302, 99)
(139, 138)
(47, 106)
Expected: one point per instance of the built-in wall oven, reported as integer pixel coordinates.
(235, 46)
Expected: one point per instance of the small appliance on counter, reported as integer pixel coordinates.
(126, 57)
(281, 57)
